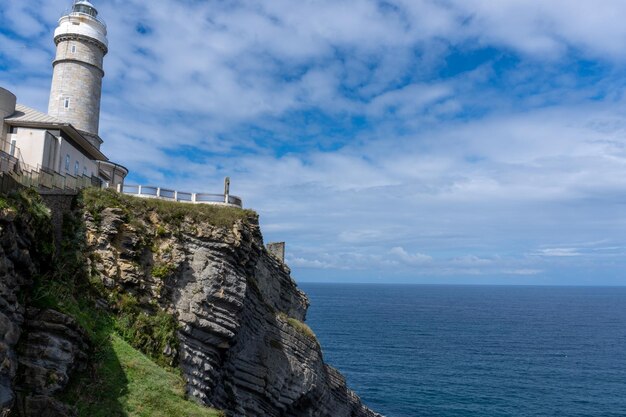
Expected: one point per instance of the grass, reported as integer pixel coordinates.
(302, 328)
(150, 332)
(162, 271)
(170, 212)
(299, 326)
(131, 385)
(4, 203)
(37, 214)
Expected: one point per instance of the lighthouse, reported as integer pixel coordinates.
(81, 44)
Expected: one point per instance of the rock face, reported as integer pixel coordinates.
(39, 349)
(222, 308)
(52, 348)
(16, 271)
(242, 346)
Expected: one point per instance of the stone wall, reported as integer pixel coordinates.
(277, 249)
(77, 76)
(59, 203)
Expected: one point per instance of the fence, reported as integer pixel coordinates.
(14, 173)
(46, 181)
(148, 191)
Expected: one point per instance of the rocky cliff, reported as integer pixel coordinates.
(194, 288)
(39, 348)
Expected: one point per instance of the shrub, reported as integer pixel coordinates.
(162, 271)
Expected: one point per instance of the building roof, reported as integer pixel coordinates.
(26, 114)
(27, 117)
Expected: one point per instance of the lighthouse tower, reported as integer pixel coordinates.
(81, 44)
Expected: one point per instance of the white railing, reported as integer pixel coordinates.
(148, 191)
(96, 18)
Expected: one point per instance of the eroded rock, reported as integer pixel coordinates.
(236, 305)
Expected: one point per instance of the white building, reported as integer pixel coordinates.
(65, 140)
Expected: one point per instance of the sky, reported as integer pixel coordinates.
(400, 141)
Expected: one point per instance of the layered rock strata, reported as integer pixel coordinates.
(243, 346)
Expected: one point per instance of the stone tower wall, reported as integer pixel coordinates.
(86, 51)
(78, 76)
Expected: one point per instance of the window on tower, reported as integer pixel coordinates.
(67, 162)
(73, 49)
(76, 168)
(66, 103)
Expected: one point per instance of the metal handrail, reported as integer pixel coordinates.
(215, 198)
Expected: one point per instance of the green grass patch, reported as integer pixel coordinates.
(151, 332)
(298, 325)
(4, 203)
(32, 210)
(162, 271)
(129, 384)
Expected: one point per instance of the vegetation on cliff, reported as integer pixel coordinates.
(170, 213)
(120, 380)
(300, 327)
(130, 384)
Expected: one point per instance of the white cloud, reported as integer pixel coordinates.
(308, 263)
(410, 258)
(559, 252)
(471, 260)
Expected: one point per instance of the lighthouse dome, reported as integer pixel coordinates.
(84, 6)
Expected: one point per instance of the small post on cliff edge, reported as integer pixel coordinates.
(226, 189)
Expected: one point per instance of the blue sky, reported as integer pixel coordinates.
(423, 141)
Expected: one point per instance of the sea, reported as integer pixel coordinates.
(412, 351)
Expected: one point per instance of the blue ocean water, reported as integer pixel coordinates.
(413, 351)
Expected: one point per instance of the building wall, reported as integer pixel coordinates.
(86, 165)
(40, 147)
(7, 108)
(31, 143)
(78, 76)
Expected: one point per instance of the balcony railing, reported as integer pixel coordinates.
(71, 12)
(148, 191)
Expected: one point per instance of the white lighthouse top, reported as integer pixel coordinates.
(83, 20)
(84, 6)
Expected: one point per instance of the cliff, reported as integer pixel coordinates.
(192, 287)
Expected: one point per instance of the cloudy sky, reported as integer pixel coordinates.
(426, 141)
